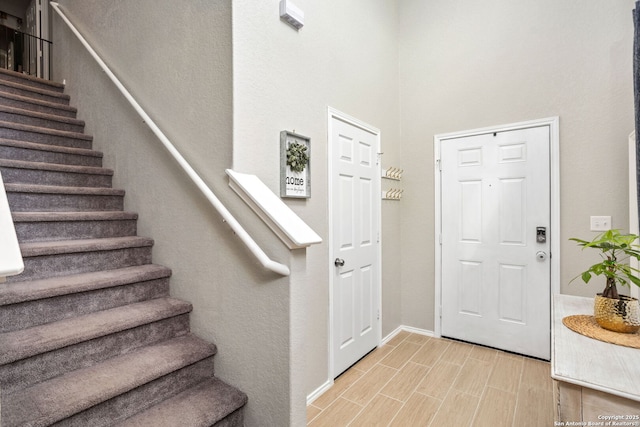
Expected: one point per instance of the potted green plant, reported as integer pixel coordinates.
(613, 311)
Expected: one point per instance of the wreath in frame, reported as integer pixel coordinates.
(297, 156)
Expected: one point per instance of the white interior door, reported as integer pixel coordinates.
(495, 200)
(355, 264)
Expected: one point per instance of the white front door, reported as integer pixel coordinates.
(495, 272)
(355, 264)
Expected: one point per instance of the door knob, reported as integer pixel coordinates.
(338, 262)
(541, 255)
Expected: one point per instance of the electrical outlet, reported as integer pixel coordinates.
(600, 223)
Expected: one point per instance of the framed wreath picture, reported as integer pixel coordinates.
(295, 153)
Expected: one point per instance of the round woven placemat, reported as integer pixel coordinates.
(586, 325)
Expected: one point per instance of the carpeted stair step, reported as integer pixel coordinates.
(42, 135)
(43, 198)
(46, 351)
(34, 118)
(37, 302)
(34, 152)
(29, 91)
(113, 390)
(89, 335)
(26, 103)
(42, 173)
(61, 258)
(48, 226)
(84, 282)
(210, 403)
(25, 79)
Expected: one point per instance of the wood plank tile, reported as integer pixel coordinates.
(418, 339)
(534, 407)
(312, 412)
(429, 354)
(510, 355)
(439, 380)
(497, 409)
(537, 373)
(403, 384)
(401, 354)
(342, 383)
(339, 413)
(457, 409)
(418, 411)
(483, 353)
(400, 337)
(370, 360)
(379, 412)
(369, 385)
(506, 373)
(473, 376)
(457, 352)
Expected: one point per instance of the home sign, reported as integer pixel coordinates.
(295, 152)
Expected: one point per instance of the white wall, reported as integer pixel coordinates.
(176, 59)
(344, 57)
(466, 65)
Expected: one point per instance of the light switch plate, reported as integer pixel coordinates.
(600, 223)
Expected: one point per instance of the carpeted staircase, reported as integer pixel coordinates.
(89, 335)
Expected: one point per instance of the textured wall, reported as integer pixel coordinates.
(466, 65)
(176, 59)
(344, 57)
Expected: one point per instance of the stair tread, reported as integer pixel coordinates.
(61, 189)
(202, 405)
(55, 167)
(33, 89)
(39, 339)
(47, 147)
(29, 78)
(73, 216)
(31, 249)
(11, 293)
(68, 394)
(47, 131)
(35, 101)
(36, 114)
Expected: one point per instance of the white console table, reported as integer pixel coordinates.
(593, 379)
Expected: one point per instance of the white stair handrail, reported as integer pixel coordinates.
(224, 212)
(11, 262)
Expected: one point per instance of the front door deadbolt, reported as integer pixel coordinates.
(541, 234)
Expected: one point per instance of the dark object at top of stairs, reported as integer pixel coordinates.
(89, 334)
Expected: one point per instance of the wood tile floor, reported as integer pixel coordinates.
(415, 380)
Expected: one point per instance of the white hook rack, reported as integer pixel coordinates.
(393, 173)
(392, 194)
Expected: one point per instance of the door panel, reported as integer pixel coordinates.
(355, 211)
(495, 192)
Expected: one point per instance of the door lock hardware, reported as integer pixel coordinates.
(338, 262)
(541, 255)
(541, 234)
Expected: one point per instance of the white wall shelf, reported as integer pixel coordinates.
(288, 226)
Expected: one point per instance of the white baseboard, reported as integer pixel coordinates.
(410, 329)
(329, 383)
(319, 392)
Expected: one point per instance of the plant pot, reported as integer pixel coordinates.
(618, 315)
